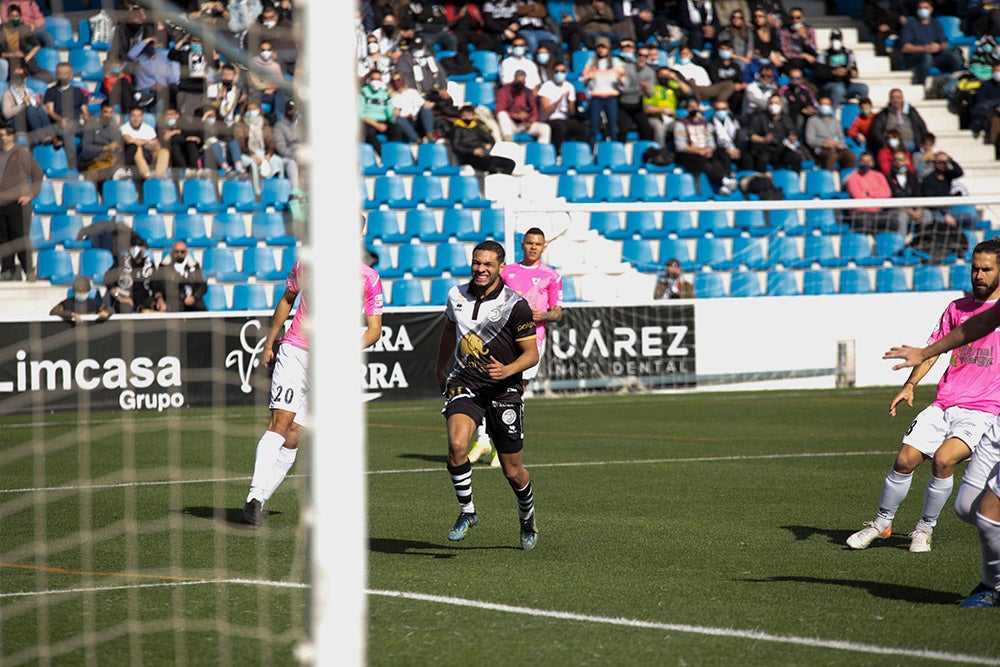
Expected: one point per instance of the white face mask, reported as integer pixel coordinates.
(836, 44)
(372, 48)
(265, 55)
(894, 143)
(376, 84)
(81, 297)
(270, 24)
(775, 109)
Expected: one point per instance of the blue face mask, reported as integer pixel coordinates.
(518, 51)
(196, 48)
(725, 55)
(722, 114)
(826, 110)
(683, 61)
(923, 13)
(559, 77)
(543, 58)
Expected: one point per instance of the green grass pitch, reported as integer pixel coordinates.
(693, 529)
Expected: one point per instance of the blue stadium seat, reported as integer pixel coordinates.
(543, 158)
(577, 156)
(37, 235)
(708, 285)
(422, 224)
(460, 224)
(434, 158)
(487, 62)
(231, 229)
(481, 93)
(781, 283)
(612, 155)
(407, 292)
(250, 296)
(383, 224)
(824, 220)
(492, 223)
(855, 280)
(681, 186)
(790, 182)
(53, 162)
(260, 262)
(388, 189)
(95, 262)
(952, 26)
(751, 220)
(123, 197)
(219, 262)
(46, 203)
(716, 222)
(744, 283)
(680, 223)
(428, 189)
(452, 257)
(892, 246)
(397, 157)
(784, 251)
(237, 194)
(608, 224)
(638, 148)
(202, 195)
(63, 230)
(822, 184)
(786, 220)
(56, 266)
(160, 194)
(573, 188)
(891, 279)
(269, 227)
(643, 224)
(857, 247)
(671, 248)
(610, 188)
(275, 193)
(818, 282)
(466, 190)
(289, 255)
(645, 187)
(440, 288)
(215, 298)
(153, 228)
(639, 253)
(748, 251)
(578, 60)
(385, 265)
(81, 197)
(959, 277)
(818, 248)
(192, 229)
(928, 278)
(368, 160)
(86, 63)
(569, 290)
(711, 251)
(415, 258)
(47, 58)
(848, 112)
(61, 29)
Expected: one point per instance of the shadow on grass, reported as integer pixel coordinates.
(416, 548)
(227, 515)
(839, 537)
(442, 459)
(879, 589)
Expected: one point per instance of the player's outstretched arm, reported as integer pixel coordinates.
(972, 329)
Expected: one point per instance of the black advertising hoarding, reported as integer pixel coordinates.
(170, 363)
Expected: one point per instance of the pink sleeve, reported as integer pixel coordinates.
(555, 290)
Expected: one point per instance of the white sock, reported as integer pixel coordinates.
(894, 490)
(267, 455)
(989, 541)
(286, 457)
(482, 436)
(935, 497)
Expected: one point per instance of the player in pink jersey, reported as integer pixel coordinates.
(371, 298)
(541, 287)
(949, 429)
(277, 448)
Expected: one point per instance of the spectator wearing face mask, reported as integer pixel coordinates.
(517, 111)
(374, 59)
(264, 76)
(923, 45)
(197, 68)
(838, 72)
(278, 32)
(758, 92)
(557, 107)
(900, 115)
(862, 123)
(661, 104)
(133, 291)
(825, 138)
(519, 59)
(66, 106)
(82, 301)
(904, 183)
(866, 182)
(154, 75)
(420, 69)
(773, 139)
(698, 153)
(893, 143)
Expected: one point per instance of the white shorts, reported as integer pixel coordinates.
(933, 426)
(985, 461)
(290, 382)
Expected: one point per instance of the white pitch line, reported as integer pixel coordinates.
(579, 464)
(102, 589)
(755, 635)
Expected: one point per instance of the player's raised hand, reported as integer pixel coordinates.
(905, 394)
(911, 356)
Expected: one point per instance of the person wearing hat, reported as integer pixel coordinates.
(471, 143)
(671, 285)
(604, 76)
(81, 301)
(836, 70)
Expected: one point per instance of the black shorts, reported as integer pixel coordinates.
(504, 413)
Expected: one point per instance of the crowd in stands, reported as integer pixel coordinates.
(723, 87)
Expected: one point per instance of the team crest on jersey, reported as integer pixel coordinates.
(495, 315)
(509, 416)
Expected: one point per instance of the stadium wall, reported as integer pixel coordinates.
(143, 362)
